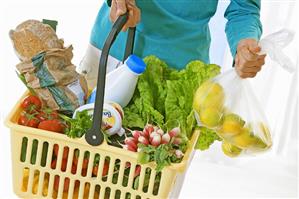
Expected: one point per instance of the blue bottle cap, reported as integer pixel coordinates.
(136, 64)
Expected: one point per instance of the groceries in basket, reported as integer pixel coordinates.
(121, 82)
(46, 66)
(112, 117)
(227, 104)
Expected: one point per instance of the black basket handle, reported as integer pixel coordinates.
(94, 135)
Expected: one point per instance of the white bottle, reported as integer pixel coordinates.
(121, 82)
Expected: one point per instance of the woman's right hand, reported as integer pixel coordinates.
(120, 7)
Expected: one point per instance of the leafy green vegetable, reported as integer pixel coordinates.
(163, 155)
(206, 138)
(180, 92)
(165, 94)
(79, 125)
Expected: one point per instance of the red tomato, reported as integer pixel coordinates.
(52, 125)
(53, 163)
(105, 169)
(47, 114)
(63, 164)
(65, 186)
(31, 104)
(96, 168)
(55, 149)
(27, 119)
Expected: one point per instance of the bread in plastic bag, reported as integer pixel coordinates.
(228, 105)
(32, 37)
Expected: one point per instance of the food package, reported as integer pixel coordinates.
(32, 37)
(49, 68)
(46, 67)
(227, 104)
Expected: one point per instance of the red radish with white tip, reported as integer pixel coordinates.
(153, 134)
(177, 141)
(165, 138)
(160, 131)
(179, 153)
(156, 140)
(148, 129)
(174, 132)
(131, 142)
(129, 148)
(136, 134)
(143, 140)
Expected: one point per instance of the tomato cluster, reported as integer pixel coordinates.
(36, 116)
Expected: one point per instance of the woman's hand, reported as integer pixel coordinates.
(120, 7)
(247, 61)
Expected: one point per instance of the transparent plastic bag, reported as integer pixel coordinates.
(228, 105)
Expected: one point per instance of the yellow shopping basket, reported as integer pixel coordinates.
(72, 175)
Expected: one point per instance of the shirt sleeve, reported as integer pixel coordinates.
(243, 22)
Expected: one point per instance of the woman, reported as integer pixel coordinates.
(178, 32)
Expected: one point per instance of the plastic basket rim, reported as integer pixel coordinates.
(180, 167)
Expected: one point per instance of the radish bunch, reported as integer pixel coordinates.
(153, 136)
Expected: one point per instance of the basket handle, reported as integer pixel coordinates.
(94, 136)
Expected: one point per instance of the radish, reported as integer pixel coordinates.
(177, 141)
(129, 148)
(137, 171)
(179, 153)
(174, 132)
(153, 134)
(136, 134)
(165, 138)
(156, 140)
(130, 141)
(148, 129)
(160, 131)
(143, 140)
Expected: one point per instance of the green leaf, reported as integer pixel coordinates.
(206, 138)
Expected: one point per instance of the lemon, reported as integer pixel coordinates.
(230, 150)
(211, 117)
(244, 140)
(209, 94)
(230, 128)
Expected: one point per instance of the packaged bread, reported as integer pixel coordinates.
(32, 37)
(46, 67)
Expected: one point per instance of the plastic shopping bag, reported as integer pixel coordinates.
(228, 105)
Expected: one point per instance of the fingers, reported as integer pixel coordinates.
(247, 62)
(133, 17)
(120, 7)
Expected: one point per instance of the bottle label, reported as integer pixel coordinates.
(108, 120)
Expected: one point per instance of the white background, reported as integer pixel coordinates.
(273, 174)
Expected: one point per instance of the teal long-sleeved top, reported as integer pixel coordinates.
(178, 31)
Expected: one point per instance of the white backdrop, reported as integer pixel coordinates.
(211, 174)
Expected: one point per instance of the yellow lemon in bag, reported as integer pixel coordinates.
(244, 140)
(210, 116)
(209, 94)
(230, 150)
(232, 125)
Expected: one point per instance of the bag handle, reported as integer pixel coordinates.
(94, 136)
(274, 43)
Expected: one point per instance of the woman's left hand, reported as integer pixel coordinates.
(247, 61)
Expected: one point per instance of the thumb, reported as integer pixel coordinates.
(253, 46)
(121, 7)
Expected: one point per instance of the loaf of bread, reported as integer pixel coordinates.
(32, 37)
